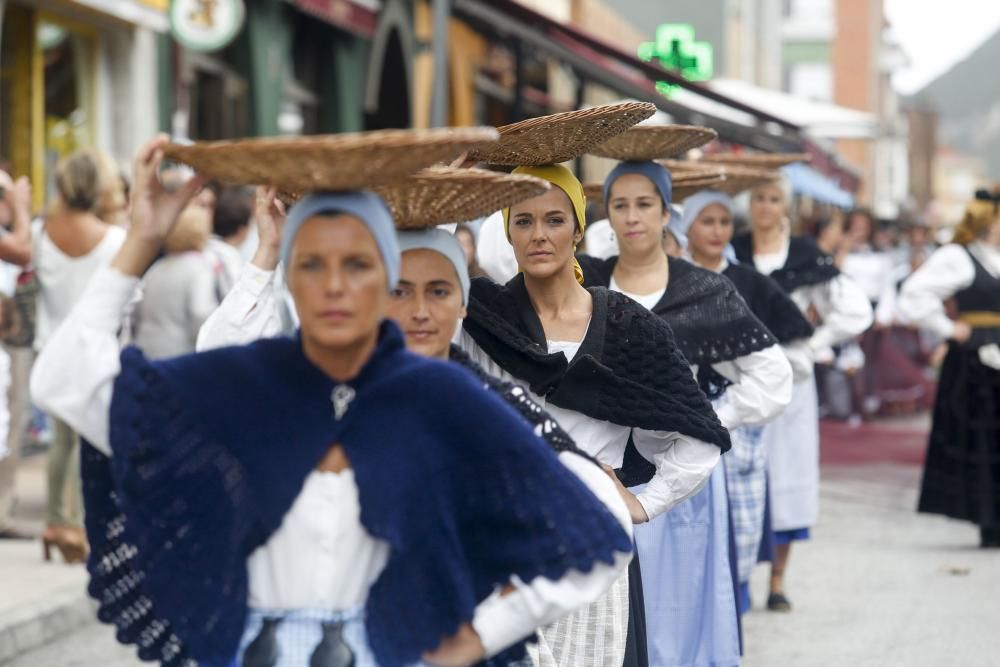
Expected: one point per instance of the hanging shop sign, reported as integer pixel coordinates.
(206, 25)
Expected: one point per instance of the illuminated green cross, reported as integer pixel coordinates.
(676, 49)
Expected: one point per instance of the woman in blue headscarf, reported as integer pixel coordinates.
(311, 500)
(687, 575)
(814, 283)
(707, 223)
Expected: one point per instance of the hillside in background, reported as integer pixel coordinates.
(967, 99)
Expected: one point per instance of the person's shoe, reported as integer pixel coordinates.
(71, 542)
(778, 602)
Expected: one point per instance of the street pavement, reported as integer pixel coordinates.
(878, 585)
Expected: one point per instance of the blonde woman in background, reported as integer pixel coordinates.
(74, 243)
(112, 204)
(180, 290)
(962, 471)
(813, 281)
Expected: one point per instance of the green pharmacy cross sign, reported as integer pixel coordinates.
(675, 49)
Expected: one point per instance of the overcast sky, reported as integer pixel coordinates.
(936, 35)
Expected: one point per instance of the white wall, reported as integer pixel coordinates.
(127, 76)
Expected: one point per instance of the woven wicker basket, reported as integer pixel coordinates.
(328, 162)
(655, 142)
(441, 195)
(684, 188)
(740, 178)
(688, 168)
(759, 160)
(562, 136)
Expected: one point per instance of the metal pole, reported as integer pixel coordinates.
(439, 96)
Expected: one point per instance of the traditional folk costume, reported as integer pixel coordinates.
(809, 277)
(746, 464)
(625, 382)
(893, 373)
(688, 578)
(213, 544)
(962, 471)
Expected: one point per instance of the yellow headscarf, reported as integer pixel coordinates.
(564, 179)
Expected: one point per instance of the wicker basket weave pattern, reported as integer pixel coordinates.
(563, 136)
(655, 142)
(328, 162)
(442, 195)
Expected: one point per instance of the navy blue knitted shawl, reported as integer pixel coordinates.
(211, 450)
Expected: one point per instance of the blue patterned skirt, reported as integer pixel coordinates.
(687, 581)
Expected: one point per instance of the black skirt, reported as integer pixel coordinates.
(962, 472)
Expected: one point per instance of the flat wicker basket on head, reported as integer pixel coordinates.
(688, 168)
(655, 142)
(759, 160)
(685, 187)
(740, 178)
(441, 195)
(328, 162)
(563, 136)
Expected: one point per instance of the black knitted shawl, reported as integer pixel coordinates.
(806, 264)
(769, 303)
(628, 371)
(709, 318)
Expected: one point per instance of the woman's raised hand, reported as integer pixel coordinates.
(269, 214)
(154, 209)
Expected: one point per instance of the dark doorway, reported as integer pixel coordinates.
(394, 90)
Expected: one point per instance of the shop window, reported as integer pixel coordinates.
(218, 96)
(301, 110)
(47, 83)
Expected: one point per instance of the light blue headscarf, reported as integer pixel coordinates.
(444, 243)
(698, 202)
(694, 205)
(366, 206)
(663, 182)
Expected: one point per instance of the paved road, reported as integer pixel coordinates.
(881, 586)
(878, 585)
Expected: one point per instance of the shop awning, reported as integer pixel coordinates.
(599, 62)
(816, 119)
(808, 182)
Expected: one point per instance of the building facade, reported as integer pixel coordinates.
(76, 74)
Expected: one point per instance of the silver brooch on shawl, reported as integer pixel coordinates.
(341, 397)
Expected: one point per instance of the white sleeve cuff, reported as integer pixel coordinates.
(255, 279)
(943, 326)
(502, 621)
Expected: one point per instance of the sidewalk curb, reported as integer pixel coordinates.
(34, 625)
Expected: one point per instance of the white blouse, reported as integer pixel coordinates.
(875, 274)
(947, 271)
(63, 278)
(842, 306)
(321, 556)
(761, 381)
